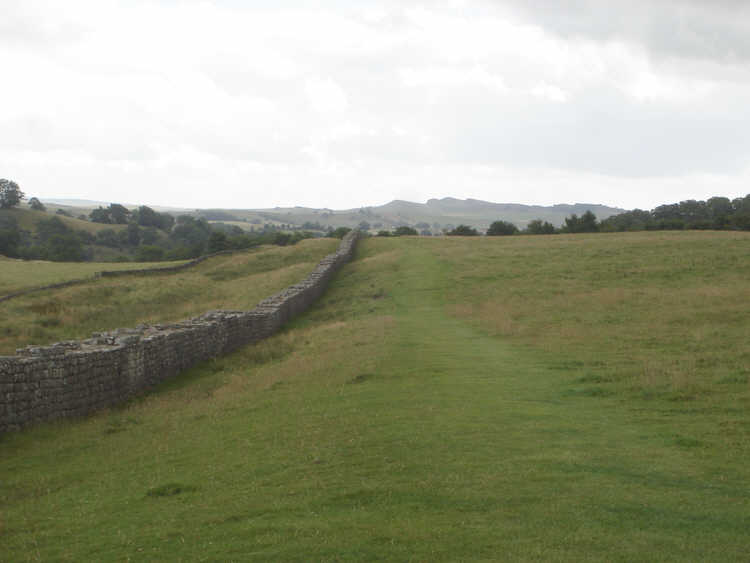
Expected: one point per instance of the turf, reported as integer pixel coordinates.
(237, 281)
(398, 421)
(27, 220)
(16, 275)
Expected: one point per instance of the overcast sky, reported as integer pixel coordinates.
(233, 103)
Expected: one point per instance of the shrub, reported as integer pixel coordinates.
(340, 232)
(539, 227)
(463, 231)
(502, 228)
(10, 194)
(404, 231)
(149, 253)
(36, 205)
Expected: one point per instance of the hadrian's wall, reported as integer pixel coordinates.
(74, 378)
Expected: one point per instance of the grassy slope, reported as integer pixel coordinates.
(16, 275)
(422, 429)
(237, 281)
(28, 218)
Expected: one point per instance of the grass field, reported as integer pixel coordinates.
(237, 281)
(564, 398)
(28, 218)
(16, 275)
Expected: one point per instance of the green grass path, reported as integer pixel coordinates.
(418, 438)
(514, 463)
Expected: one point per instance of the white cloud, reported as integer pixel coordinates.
(549, 92)
(325, 96)
(360, 103)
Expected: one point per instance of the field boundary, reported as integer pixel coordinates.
(118, 273)
(77, 377)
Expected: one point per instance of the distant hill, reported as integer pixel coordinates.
(89, 204)
(434, 215)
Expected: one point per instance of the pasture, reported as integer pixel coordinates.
(565, 398)
(237, 281)
(28, 218)
(16, 274)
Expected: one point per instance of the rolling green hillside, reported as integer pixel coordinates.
(562, 398)
(28, 218)
(436, 214)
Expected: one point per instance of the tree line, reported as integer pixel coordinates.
(716, 213)
(143, 235)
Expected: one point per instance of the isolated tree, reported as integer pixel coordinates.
(36, 205)
(463, 231)
(10, 194)
(502, 228)
(589, 223)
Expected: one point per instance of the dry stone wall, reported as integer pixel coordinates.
(116, 273)
(74, 378)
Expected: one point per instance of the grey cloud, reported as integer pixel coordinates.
(446, 85)
(21, 26)
(699, 29)
(601, 132)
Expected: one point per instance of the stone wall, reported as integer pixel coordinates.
(77, 377)
(162, 270)
(116, 273)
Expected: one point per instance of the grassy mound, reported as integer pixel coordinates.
(546, 398)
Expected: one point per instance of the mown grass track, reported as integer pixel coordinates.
(389, 423)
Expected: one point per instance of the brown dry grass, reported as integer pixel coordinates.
(670, 308)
